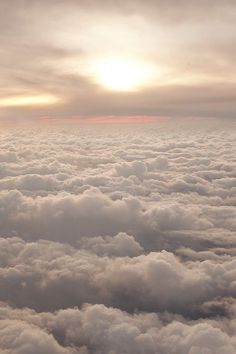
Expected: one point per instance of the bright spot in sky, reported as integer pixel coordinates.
(24, 100)
(121, 74)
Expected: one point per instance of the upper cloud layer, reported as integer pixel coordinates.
(200, 81)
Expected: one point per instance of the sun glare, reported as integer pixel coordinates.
(24, 101)
(121, 74)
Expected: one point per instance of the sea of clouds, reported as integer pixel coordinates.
(118, 239)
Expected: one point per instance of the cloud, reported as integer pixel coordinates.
(136, 168)
(152, 185)
(200, 81)
(118, 238)
(48, 275)
(120, 245)
(53, 216)
(95, 329)
(22, 338)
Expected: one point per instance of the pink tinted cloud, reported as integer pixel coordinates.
(104, 119)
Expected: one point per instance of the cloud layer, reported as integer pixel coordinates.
(193, 54)
(118, 239)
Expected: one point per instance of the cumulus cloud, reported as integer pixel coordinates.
(118, 240)
(96, 329)
(47, 275)
(120, 245)
(94, 213)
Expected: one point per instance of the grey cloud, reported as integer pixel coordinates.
(48, 275)
(51, 217)
(170, 8)
(120, 245)
(19, 337)
(96, 329)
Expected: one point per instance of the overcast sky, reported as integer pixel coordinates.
(67, 59)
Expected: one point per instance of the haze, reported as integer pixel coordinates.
(182, 55)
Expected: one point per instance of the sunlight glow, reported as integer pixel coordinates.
(24, 101)
(121, 74)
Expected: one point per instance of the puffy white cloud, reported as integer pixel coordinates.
(47, 275)
(139, 220)
(135, 168)
(120, 245)
(93, 213)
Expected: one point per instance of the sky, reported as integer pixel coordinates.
(78, 60)
(117, 238)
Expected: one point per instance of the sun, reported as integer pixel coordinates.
(121, 74)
